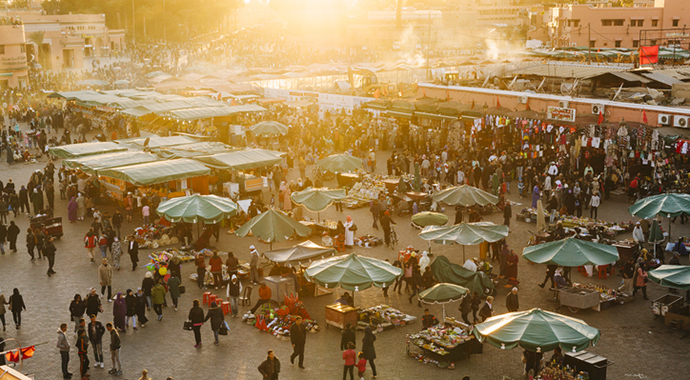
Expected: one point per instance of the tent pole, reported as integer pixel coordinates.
(463, 254)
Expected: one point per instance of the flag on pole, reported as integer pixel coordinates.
(28, 352)
(423, 93)
(527, 104)
(498, 102)
(472, 104)
(601, 118)
(644, 117)
(447, 96)
(233, 102)
(24, 353)
(377, 93)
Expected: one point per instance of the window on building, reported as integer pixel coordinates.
(574, 23)
(618, 44)
(638, 23)
(655, 22)
(606, 22)
(675, 22)
(636, 43)
(592, 43)
(2, 49)
(620, 22)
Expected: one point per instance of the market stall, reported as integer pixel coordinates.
(273, 226)
(86, 149)
(91, 164)
(465, 234)
(447, 272)
(443, 344)
(277, 321)
(671, 306)
(241, 163)
(317, 199)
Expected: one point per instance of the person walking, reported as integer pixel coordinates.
(298, 337)
(200, 263)
(90, 243)
(93, 303)
(133, 251)
(83, 350)
(117, 222)
(76, 310)
(487, 310)
(105, 278)
(386, 222)
(512, 301)
(233, 293)
(254, 265)
(368, 349)
(3, 233)
(116, 251)
(628, 272)
(95, 333)
(361, 365)
(174, 288)
(147, 285)
(120, 312)
(347, 337)
(216, 264)
(12, 234)
(132, 304)
(141, 308)
(466, 307)
(16, 307)
(63, 346)
(3, 302)
(196, 316)
(594, 205)
(158, 298)
(350, 358)
(215, 314)
(115, 345)
(270, 368)
(72, 208)
(49, 252)
(641, 280)
(30, 243)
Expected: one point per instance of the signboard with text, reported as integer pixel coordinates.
(561, 114)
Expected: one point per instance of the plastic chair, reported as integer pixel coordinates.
(205, 299)
(340, 243)
(226, 308)
(246, 297)
(602, 271)
(212, 298)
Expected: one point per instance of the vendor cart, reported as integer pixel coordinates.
(423, 199)
(340, 315)
(49, 226)
(665, 304)
(579, 298)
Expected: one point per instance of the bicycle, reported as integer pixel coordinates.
(393, 238)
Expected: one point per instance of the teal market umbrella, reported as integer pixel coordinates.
(672, 276)
(269, 128)
(667, 205)
(317, 199)
(465, 234)
(443, 293)
(338, 163)
(273, 225)
(655, 235)
(537, 330)
(571, 252)
(428, 218)
(465, 195)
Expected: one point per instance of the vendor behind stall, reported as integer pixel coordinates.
(346, 299)
(428, 319)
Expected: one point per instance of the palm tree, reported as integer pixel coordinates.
(37, 39)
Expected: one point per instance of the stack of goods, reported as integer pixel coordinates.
(278, 321)
(605, 294)
(529, 215)
(155, 236)
(611, 228)
(368, 241)
(364, 192)
(169, 253)
(382, 317)
(559, 372)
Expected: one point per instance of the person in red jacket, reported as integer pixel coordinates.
(350, 358)
(264, 296)
(90, 242)
(216, 265)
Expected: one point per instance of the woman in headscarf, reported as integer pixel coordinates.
(368, 349)
(119, 312)
(81, 207)
(512, 265)
(287, 202)
(72, 210)
(281, 195)
(349, 233)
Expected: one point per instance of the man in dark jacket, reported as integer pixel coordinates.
(215, 314)
(133, 250)
(466, 307)
(512, 302)
(117, 221)
(507, 214)
(428, 319)
(49, 252)
(298, 337)
(348, 336)
(487, 310)
(93, 303)
(12, 234)
(83, 350)
(96, 331)
(386, 222)
(270, 368)
(24, 200)
(115, 345)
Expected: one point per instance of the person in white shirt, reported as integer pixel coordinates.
(594, 205)
(638, 235)
(553, 169)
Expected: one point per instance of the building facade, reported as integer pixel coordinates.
(13, 64)
(59, 42)
(605, 26)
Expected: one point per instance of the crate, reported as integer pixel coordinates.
(666, 303)
(579, 298)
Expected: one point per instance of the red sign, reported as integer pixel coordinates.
(649, 54)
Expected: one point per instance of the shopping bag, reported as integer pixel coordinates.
(187, 325)
(183, 289)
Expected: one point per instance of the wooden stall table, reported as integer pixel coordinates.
(626, 251)
(340, 315)
(347, 179)
(391, 185)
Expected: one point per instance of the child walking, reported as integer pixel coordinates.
(361, 365)
(349, 356)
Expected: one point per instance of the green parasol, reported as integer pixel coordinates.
(537, 330)
(465, 195)
(352, 272)
(655, 235)
(317, 199)
(465, 234)
(269, 128)
(667, 205)
(672, 276)
(338, 163)
(443, 293)
(428, 218)
(209, 209)
(447, 272)
(571, 252)
(273, 226)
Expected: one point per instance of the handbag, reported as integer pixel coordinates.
(223, 330)
(354, 227)
(183, 289)
(187, 325)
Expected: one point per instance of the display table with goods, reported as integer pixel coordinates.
(553, 371)
(443, 344)
(362, 193)
(318, 228)
(339, 315)
(596, 297)
(382, 317)
(610, 229)
(156, 235)
(368, 241)
(529, 215)
(277, 321)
